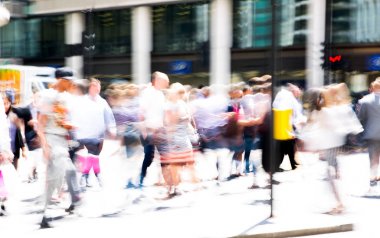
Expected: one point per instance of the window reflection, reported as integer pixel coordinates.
(355, 21)
(181, 27)
(12, 39)
(112, 32)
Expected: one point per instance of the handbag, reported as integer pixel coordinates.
(194, 136)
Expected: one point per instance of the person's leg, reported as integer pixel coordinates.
(73, 187)
(96, 168)
(85, 169)
(374, 154)
(290, 151)
(281, 151)
(332, 169)
(148, 157)
(248, 146)
(166, 173)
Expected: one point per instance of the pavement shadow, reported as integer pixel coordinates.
(260, 202)
(263, 222)
(371, 196)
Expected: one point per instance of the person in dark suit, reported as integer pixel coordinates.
(369, 114)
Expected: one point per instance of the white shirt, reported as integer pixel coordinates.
(329, 127)
(286, 100)
(152, 104)
(208, 111)
(86, 117)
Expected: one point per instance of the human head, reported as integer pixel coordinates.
(64, 78)
(80, 86)
(375, 85)
(266, 88)
(177, 92)
(7, 100)
(94, 87)
(296, 91)
(160, 80)
(247, 90)
(131, 90)
(312, 99)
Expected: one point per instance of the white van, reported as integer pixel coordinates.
(24, 80)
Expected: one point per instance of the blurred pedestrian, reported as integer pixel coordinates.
(95, 119)
(126, 112)
(369, 114)
(15, 131)
(152, 103)
(6, 156)
(326, 131)
(288, 99)
(53, 129)
(176, 150)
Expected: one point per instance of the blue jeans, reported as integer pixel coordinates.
(250, 143)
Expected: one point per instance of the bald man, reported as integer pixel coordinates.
(152, 114)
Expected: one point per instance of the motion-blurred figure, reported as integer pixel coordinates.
(326, 130)
(152, 103)
(53, 129)
(369, 114)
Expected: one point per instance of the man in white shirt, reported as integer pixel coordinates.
(93, 118)
(152, 102)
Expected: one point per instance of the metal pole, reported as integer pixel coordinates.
(272, 152)
(89, 44)
(328, 41)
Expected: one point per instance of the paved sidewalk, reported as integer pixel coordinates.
(225, 209)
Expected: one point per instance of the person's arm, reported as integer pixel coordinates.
(109, 120)
(42, 120)
(251, 122)
(362, 112)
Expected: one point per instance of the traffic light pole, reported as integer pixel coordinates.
(89, 42)
(314, 47)
(328, 42)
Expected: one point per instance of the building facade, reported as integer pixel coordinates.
(194, 41)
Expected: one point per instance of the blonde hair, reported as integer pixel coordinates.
(336, 94)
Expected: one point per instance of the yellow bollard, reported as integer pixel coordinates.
(282, 129)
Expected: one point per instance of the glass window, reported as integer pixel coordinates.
(12, 38)
(112, 32)
(355, 21)
(252, 23)
(45, 37)
(181, 27)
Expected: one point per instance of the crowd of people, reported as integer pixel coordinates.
(172, 122)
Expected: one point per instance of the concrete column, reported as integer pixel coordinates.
(74, 27)
(316, 35)
(221, 41)
(141, 44)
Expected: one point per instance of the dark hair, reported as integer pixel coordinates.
(63, 72)
(10, 95)
(312, 99)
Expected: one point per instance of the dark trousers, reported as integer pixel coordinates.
(148, 155)
(248, 146)
(286, 147)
